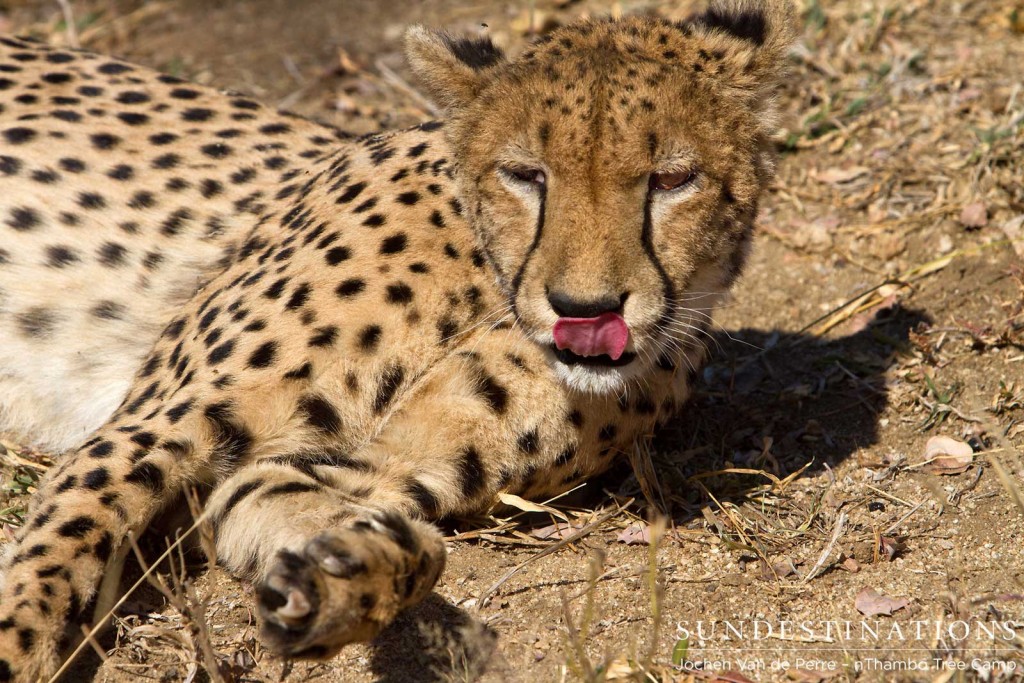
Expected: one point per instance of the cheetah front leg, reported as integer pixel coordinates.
(336, 541)
(332, 567)
(115, 484)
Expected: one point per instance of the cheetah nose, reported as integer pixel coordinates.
(568, 307)
(296, 607)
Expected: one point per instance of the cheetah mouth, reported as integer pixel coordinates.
(604, 360)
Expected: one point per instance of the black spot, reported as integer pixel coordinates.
(91, 200)
(394, 244)
(148, 475)
(263, 356)
(471, 473)
(175, 413)
(608, 432)
(96, 479)
(291, 487)
(104, 141)
(425, 499)
(121, 172)
(9, 165)
(114, 68)
(132, 97)
(494, 394)
(399, 293)
(37, 322)
(408, 198)
(197, 114)
(419, 267)
(350, 287)
(26, 639)
(275, 290)
(351, 192)
(320, 414)
(301, 372)
(390, 381)
(59, 257)
(133, 118)
(529, 442)
(336, 255)
(160, 139)
(109, 310)
(101, 449)
(23, 219)
(144, 439)
(19, 135)
(375, 220)
(220, 353)
(233, 440)
(77, 527)
(112, 254)
(324, 336)
(566, 456)
(369, 337)
(299, 297)
(104, 547)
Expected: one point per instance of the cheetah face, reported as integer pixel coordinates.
(612, 174)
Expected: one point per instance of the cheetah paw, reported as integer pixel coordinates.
(346, 585)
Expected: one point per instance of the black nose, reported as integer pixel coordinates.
(568, 307)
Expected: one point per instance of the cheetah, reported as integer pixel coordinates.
(346, 339)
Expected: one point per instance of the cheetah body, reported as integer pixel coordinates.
(344, 338)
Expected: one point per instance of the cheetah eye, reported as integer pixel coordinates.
(671, 180)
(523, 174)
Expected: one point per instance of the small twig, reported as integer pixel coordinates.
(69, 23)
(485, 597)
(399, 84)
(837, 531)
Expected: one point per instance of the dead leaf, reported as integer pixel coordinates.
(890, 547)
(556, 531)
(974, 216)
(870, 603)
(1014, 229)
(637, 533)
(512, 500)
(837, 176)
(944, 455)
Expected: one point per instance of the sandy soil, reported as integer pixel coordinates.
(799, 477)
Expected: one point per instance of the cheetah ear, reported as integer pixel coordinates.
(766, 26)
(453, 70)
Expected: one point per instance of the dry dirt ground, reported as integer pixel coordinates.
(884, 307)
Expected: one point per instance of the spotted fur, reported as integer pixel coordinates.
(343, 339)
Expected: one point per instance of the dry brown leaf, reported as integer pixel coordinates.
(512, 500)
(944, 455)
(556, 531)
(974, 215)
(638, 533)
(837, 176)
(851, 565)
(870, 603)
(1014, 230)
(890, 547)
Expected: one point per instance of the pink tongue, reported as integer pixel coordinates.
(606, 334)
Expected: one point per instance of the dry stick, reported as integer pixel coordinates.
(69, 22)
(837, 531)
(585, 531)
(145, 577)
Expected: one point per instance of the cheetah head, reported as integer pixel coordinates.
(612, 173)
